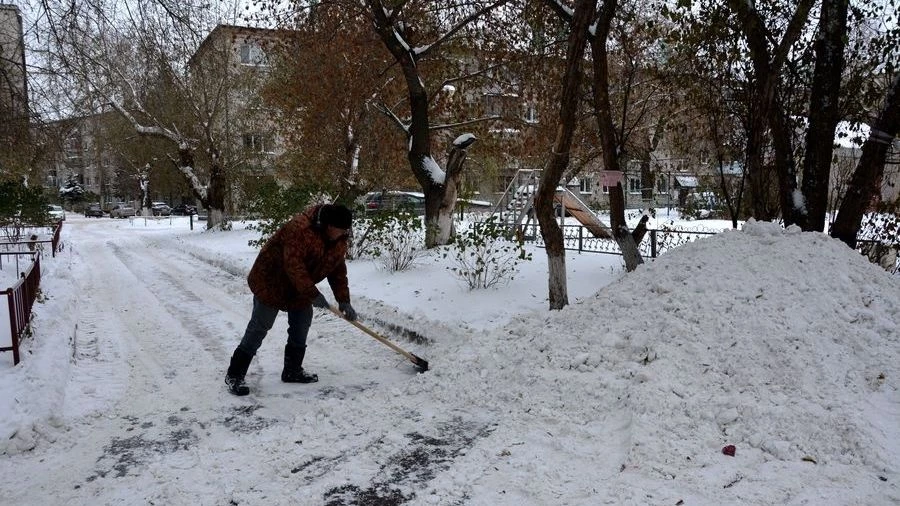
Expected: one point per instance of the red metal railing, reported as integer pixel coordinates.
(21, 297)
(32, 244)
(55, 241)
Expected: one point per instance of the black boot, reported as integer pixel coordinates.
(234, 378)
(293, 366)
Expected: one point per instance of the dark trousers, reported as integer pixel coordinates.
(262, 319)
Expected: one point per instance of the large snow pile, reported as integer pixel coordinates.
(781, 343)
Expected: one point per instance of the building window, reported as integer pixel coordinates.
(585, 185)
(501, 104)
(530, 115)
(605, 190)
(661, 186)
(493, 105)
(253, 54)
(634, 184)
(73, 147)
(258, 143)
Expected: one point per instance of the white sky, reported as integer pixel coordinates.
(784, 344)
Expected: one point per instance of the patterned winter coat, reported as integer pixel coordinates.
(294, 259)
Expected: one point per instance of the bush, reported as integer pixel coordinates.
(274, 206)
(487, 254)
(21, 207)
(396, 238)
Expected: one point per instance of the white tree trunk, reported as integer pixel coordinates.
(630, 252)
(444, 226)
(556, 265)
(215, 219)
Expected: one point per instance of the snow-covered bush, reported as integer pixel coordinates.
(395, 238)
(487, 254)
(879, 239)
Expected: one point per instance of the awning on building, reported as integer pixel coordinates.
(687, 181)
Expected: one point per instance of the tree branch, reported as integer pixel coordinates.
(424, 51)
(151, 131)
(793, 31)
(562, 10)
(464, 123)
(393, 117)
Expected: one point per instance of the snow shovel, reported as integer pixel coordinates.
(420, 363)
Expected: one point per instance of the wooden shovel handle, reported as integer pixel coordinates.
(416, 360)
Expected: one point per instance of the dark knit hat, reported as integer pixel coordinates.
(336, 216)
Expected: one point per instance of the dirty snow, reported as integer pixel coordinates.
(781, 343)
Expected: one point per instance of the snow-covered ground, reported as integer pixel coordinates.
(783, 344)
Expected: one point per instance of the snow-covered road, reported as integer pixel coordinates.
(781, 343)
(146, 417)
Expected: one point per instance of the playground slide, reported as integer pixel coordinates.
(581, 212)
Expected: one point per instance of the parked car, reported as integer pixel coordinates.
(184, 210)
(93, 210)
(121, 210)
(160, 209)
(386, 201)
(57, 213)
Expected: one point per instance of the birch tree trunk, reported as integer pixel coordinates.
(559, 158)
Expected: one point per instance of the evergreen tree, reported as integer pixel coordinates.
(72, 191)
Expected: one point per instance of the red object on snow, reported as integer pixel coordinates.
(729, 450)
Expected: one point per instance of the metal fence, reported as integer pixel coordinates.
(25, 257)
(20, 299)
(659, 241)
(655, 243)
(35, 243)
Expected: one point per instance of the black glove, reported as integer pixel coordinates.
(347, 309)
(321, 302)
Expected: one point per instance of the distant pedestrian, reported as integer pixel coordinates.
(312, 246)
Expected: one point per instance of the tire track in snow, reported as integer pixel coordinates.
(177, 436)
(195, 297)
(97, 375)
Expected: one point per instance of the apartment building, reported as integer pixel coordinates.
(242, 54)
(13, 83)
(14, 109)
(84, 154)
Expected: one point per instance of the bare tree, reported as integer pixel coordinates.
(559, 155)
(712, 83)
(807, 204)
(769, 113)
(613, 138)
(824, 113)
(116, 56)
(413, 32)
